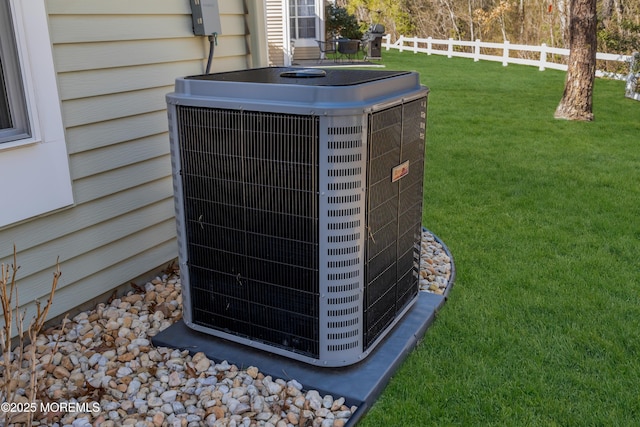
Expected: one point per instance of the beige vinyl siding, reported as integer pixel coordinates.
(115, 62)
(275, 32)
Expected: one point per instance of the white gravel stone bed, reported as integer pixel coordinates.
(100, 369)
(435, 265)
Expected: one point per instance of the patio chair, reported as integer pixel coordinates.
(348, 48)
(326, 47)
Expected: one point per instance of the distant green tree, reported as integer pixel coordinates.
(340, 23)
(619, 26)
(395, 15)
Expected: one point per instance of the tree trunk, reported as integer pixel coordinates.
(471, 27)
(564, 17)
(577, 99)
(521, 19)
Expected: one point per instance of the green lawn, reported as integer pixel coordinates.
(542, 216)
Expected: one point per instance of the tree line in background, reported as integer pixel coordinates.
(530, 22)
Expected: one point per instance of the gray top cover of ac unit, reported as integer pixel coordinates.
(297, 90)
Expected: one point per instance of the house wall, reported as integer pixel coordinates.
(275, 31)
(115, 61)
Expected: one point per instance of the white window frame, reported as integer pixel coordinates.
(35, 170)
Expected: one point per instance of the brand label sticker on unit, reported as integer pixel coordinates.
(400, 171)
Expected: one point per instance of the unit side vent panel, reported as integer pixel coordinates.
(410, 200)
(250, 185)
(343, 169)
(394, 210)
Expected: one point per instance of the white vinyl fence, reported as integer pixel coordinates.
(541, 56)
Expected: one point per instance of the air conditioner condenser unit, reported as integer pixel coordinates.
(298, 197)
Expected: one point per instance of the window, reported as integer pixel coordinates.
(34, 166)
(302, 14)
(13, 112)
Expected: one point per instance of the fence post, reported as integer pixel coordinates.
(476, 51)
(400, 43)
(429, 45)
(543, 56)
(387, 41)
(415, 45)
(450, 48)
(505, 53)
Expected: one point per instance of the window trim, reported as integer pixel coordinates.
(12, 87)
(37, 168)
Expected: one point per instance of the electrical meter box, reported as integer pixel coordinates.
(206, 17)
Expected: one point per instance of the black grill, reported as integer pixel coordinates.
(250, 194)
(394, 214)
